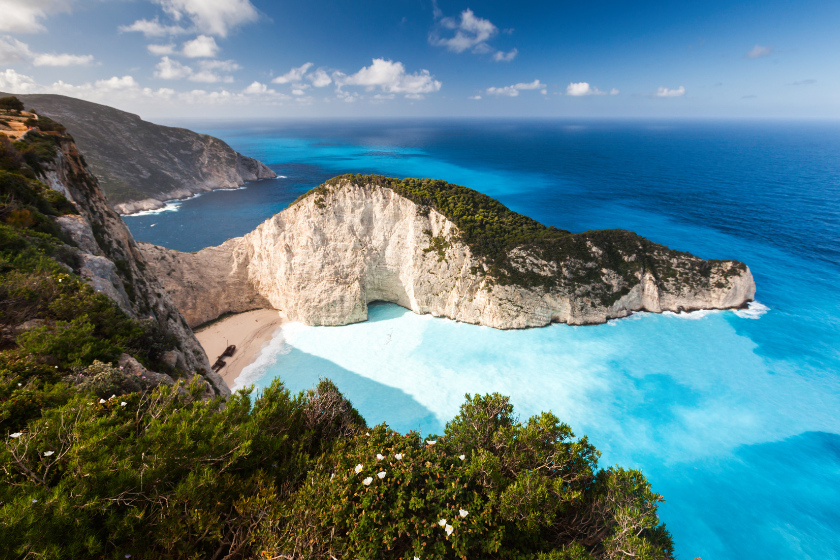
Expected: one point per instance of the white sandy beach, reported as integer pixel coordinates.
(249, 331)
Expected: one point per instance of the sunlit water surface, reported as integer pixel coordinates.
(734, 416)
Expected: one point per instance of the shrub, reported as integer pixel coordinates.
(11, 103)
(70, 343)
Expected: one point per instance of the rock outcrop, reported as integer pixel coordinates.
(108, 258)
(355, 241)
(140, 165)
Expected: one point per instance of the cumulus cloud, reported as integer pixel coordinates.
(583, 88)
(500, 56)
(391, 77)
(152, 28)
(471, 32)
(161, 50)
(513, 91)
(22, 16)
(474, 97)
(665, 92)
(62, 60)
(12, 82)
(13, 51)
(319, 78)
(201, 47)
(759, 52)
(293, 75)
(211, 17)
(168, 69)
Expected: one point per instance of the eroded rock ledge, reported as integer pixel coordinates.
(359, 239)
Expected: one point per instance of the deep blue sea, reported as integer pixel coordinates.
(733, 416)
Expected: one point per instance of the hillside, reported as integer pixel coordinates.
(140, 164)
(441, 249)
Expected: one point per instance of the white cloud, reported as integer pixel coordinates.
(153, 28)
(471, 32)
(62, 60)
(665, 92)
(168, 69)
(212, 17)
(293, 75)
(22, 16)
(758, 52)
(391, 78)
(13, 51)
(319, 78)
(583, 88)
(383, 96)
(513, 91)
(161, 50)
(500, 56)
(12, 82)
(298, 91)
(474, 97)
(201, 47)
(221, 65)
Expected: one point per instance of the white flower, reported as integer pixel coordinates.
(367, 481)
(416, 558)
(381, 474)
(332, 476)
(358, 468)
(112, 397)
(442, 522)
(462, 457)
(123, 403)
(20, 384)
(379, 457)
(16, 435)
(431, 441)
(398, 456)
(34, 501)
(448, 530)
(101, 401)
(463, 512)
(48, 453)
(367, 434)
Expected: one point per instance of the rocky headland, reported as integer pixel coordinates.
(141, 165)
(442, 249)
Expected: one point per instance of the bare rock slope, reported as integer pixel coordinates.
(437, 248)
(109, 260)
(140, 164)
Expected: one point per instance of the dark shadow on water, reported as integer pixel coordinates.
(376, 402)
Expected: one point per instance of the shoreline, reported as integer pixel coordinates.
(249, 331)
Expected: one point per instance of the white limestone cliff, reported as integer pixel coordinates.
(325, 258)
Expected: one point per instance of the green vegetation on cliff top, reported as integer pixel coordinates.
(96, 464)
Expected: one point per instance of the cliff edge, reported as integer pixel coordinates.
(139, 164)
(442, 249)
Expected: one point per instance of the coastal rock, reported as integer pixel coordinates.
(326, 257)
(140, 165)
(108, 258)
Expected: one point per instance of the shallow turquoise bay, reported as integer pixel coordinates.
(733, 416)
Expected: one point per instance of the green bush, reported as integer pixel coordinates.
(11, 103)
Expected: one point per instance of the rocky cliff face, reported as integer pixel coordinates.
(139, 164)
(325, 258)
(108, 258)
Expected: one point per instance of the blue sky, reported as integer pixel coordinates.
(249, 58)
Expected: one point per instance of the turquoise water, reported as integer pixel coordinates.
(732, 415)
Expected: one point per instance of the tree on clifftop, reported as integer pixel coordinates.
(11, 103)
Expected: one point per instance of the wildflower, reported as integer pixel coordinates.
(431, 441)
(448, 530)
(462, 457)
(379, 457)
(128, 555)
(358, 468)
(101, 401)
(332, 476)
(48, 453)
(112, 397)
(442, 522)
(398, 456)
(463, 512)
(121, 367)
(381, 474)
(16, 435)
(123, 403)
(367, 481)
(367, 434)
(20, 385)
(56, 367)
(34, 501)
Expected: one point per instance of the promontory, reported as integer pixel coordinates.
(442, 249)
